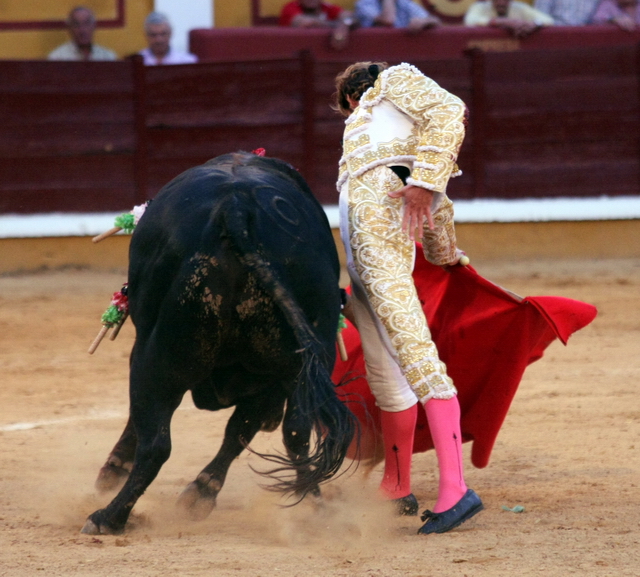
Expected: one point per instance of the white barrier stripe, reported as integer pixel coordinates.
(55, 224)
(547, 209)
(469, 211)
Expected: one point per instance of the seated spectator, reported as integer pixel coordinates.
(318, 14)
(157, 29)
(568, 12)
(309, 14)
(622, 13)
(81, 24)
(394, 14)
(518, 18)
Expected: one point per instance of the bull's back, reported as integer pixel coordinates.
(201, 255)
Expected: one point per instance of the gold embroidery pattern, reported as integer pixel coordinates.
(383, 256)
(360, 121)
(351, 145)
(384, 152)
(438, 115)
(439, 244)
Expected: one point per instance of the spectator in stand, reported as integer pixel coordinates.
(622, 13)
(157, 29)
(318, 14)
(518, 18)
(81, 24)
(394, 14)
(568, 12)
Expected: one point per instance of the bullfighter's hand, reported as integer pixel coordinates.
(417, 208)
(461, 259)
(347, 311)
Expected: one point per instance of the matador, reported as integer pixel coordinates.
(400, 147)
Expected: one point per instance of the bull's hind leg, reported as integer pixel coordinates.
(250, 416)
(119, 462)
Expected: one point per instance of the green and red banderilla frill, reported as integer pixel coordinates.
(113, 317)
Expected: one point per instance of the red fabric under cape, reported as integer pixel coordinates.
(485, 335)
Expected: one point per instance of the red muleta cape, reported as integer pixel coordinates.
(485, 335)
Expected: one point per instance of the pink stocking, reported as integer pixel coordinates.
(398, 430)
(444, 423)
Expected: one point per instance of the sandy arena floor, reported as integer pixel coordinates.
(569, 453)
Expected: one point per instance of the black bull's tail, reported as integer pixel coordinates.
(318, 407)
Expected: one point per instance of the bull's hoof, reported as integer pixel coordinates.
(91, 527)
(197, 501)
(111, 477)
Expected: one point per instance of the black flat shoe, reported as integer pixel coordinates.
(463, 510)
(406, 506)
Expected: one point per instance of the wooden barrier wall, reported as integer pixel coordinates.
(68, 137)
(559, 121)
(394, 44)
(83, 137)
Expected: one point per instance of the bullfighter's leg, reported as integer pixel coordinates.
(380, 259)
(120, 461)
(153, 402)
(250, 416)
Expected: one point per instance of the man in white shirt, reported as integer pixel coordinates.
(81, 24)
(157, 29)
(518, 18)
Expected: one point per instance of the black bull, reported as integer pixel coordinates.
(233, 290)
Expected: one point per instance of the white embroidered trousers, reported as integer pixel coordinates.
(401, 359)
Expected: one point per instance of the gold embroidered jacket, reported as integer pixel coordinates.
(407, 119)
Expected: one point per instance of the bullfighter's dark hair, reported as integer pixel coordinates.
(354, 82)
